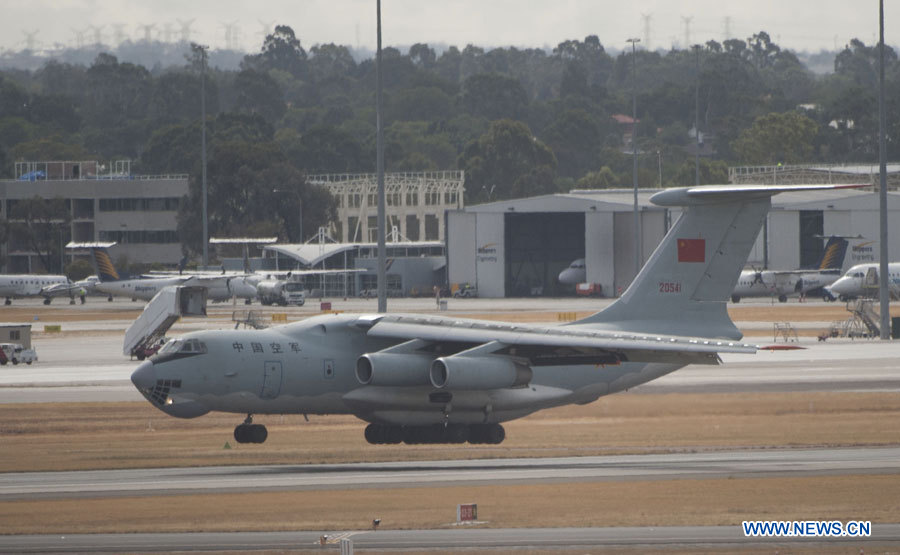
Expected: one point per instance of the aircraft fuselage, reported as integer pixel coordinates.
(310, 367)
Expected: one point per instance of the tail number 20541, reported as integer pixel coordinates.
(670, 287)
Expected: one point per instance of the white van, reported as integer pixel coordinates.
(16, 353)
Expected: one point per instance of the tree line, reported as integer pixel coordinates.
(519, 121)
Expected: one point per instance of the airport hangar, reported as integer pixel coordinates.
(518, 247)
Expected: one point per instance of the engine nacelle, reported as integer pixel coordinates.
(478, 372)
(393, 369)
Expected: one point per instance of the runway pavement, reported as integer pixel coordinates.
(170, 481)
(712, 538)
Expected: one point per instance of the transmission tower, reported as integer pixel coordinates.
(266, 28)
(647, 17)
(727, 27)
(231, 35)
(167, 32)
(79, 37)
(687, 31)
(98, 34)
(31, 40)
(118, 33)
(148, 31)
(185, 29)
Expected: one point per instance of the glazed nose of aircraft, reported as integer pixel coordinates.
(144, 377)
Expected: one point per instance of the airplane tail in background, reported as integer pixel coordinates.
(106, 271)
(685, 285)
(100, 259)
(834, 253)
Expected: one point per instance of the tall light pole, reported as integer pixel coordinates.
(697, 118)
(205, 215)
(883, 298)
(379, 164)
(637, 225)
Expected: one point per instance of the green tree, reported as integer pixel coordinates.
(777, 138)
(507, 162)
(40, 225)
(259, 93)
(712, 172)
(605, 178)
(494, 96)
(280, 50)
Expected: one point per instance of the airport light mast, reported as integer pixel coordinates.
(634, 176)
(379, 168)
(884, 281)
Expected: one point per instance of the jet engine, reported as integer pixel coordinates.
(393, 369)
(478, 373)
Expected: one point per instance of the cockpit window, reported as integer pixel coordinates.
(183, 346)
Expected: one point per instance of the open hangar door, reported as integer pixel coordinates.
(538, 246)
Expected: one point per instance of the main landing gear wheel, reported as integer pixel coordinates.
(250, 433)
(380, 434)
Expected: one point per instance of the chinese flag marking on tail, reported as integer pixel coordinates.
(692, 250)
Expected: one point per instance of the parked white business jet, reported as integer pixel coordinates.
(862, 281)
(433, 379)
(783, 283)
(17, 286)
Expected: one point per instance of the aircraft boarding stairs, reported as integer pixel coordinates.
(171, 303)
(863, 323)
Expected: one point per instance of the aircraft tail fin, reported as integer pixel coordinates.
(103, 264)
(685, 285)
(834, 253)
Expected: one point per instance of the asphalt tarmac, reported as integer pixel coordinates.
(316, 477)
(690, 538)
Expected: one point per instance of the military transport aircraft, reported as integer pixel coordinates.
(439, 379)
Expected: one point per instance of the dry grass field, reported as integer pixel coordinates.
(77, 436)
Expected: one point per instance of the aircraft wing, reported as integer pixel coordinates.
(59, 289)
(548, 345)
(778, 273)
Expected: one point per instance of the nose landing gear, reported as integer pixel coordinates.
(248, 432)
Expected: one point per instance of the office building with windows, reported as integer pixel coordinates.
(103, 202)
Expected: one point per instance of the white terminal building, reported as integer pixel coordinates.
(105, 203)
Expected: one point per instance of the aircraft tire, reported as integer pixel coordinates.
(782, 298)
(46, 301)
(735, 298)
(258, 433)
(15, 361)
(487, 433)
(380, 434)
(373, 434)
(456, 433)
(7, 302)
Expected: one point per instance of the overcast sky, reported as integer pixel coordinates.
(797, 24)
